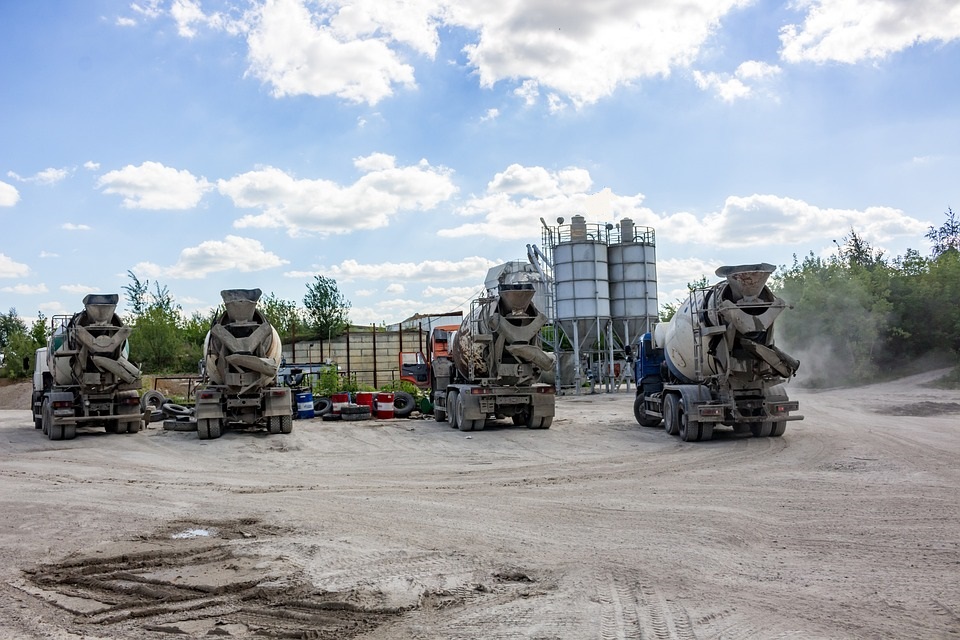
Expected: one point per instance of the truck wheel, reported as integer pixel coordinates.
(641, 415)
(45, 416)
(69, 431)
(761, 429)
(208, 429)
(440, 415)
(671, 414)
(273, 424)
(689, 429)
(778, 429)
(133, 426)
(286, 424)
(546, 423)
(453, 398)
(462, 423)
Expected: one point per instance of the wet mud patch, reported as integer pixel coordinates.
(224, 578)
(921, 409)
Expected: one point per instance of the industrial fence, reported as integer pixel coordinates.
(371, 357)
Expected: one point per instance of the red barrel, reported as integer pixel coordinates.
(384, 406)
(338, 400)
(365, 398)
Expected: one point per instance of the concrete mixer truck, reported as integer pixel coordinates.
(241, 356)
(494, 365)
(83, 377)
(715, 362)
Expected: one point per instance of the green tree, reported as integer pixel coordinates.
(156, 319)
(20, 344)
(327, 309)
(947, 236)
(284, 315)
(10, 325)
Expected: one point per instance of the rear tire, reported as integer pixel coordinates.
(273, 424)
(671, 414)
(778, 429)
(453, 398)
(463, 424)
(440, 415)
(761, 429)
(286, 424)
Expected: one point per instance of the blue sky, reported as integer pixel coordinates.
(404, 147)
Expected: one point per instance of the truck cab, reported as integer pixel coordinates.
(42, 381)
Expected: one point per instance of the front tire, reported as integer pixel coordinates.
(638, 412)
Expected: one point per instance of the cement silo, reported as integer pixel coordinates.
(580, 272)
(632, 275)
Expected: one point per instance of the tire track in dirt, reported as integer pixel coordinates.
(228, 578)
(633, 609)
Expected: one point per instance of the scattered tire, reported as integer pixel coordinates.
(151, 401)
(403, 404)
(322, 406)
(175, 410)
(156, 415)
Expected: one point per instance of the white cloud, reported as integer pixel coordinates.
(585, 50)
(517, 198)
(147, 8)
(340, 50)
(577, 52)
(528, 91)
(48, 176)
(233, 253)
(760, 220)
(48, 254)
(9, 195)
(324, 207)
(126, 22)
(395, 289)
(9, 268)
(469, 268)
(741, 84)
(853, 30)
(685, 269)
(79, 289)
(26, 289)
(491, 114)
(90, 165)
(70, 226)
(154, 186)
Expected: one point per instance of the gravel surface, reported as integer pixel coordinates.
(848, 526)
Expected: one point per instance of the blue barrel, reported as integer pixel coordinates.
(304, 405)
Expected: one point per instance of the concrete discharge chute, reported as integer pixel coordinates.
(715, 361)
(242, 353)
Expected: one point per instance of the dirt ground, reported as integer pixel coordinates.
(846, 527)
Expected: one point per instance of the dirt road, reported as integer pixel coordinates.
(846, 527)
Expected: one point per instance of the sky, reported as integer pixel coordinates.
(404, 147)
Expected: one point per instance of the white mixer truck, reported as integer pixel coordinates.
(242, 353)
(495, 366)
(83, 377)
(715, 362)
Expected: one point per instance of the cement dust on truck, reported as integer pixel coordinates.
(715, 362)
(83, 377)
(241, 359)
(493, 365)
